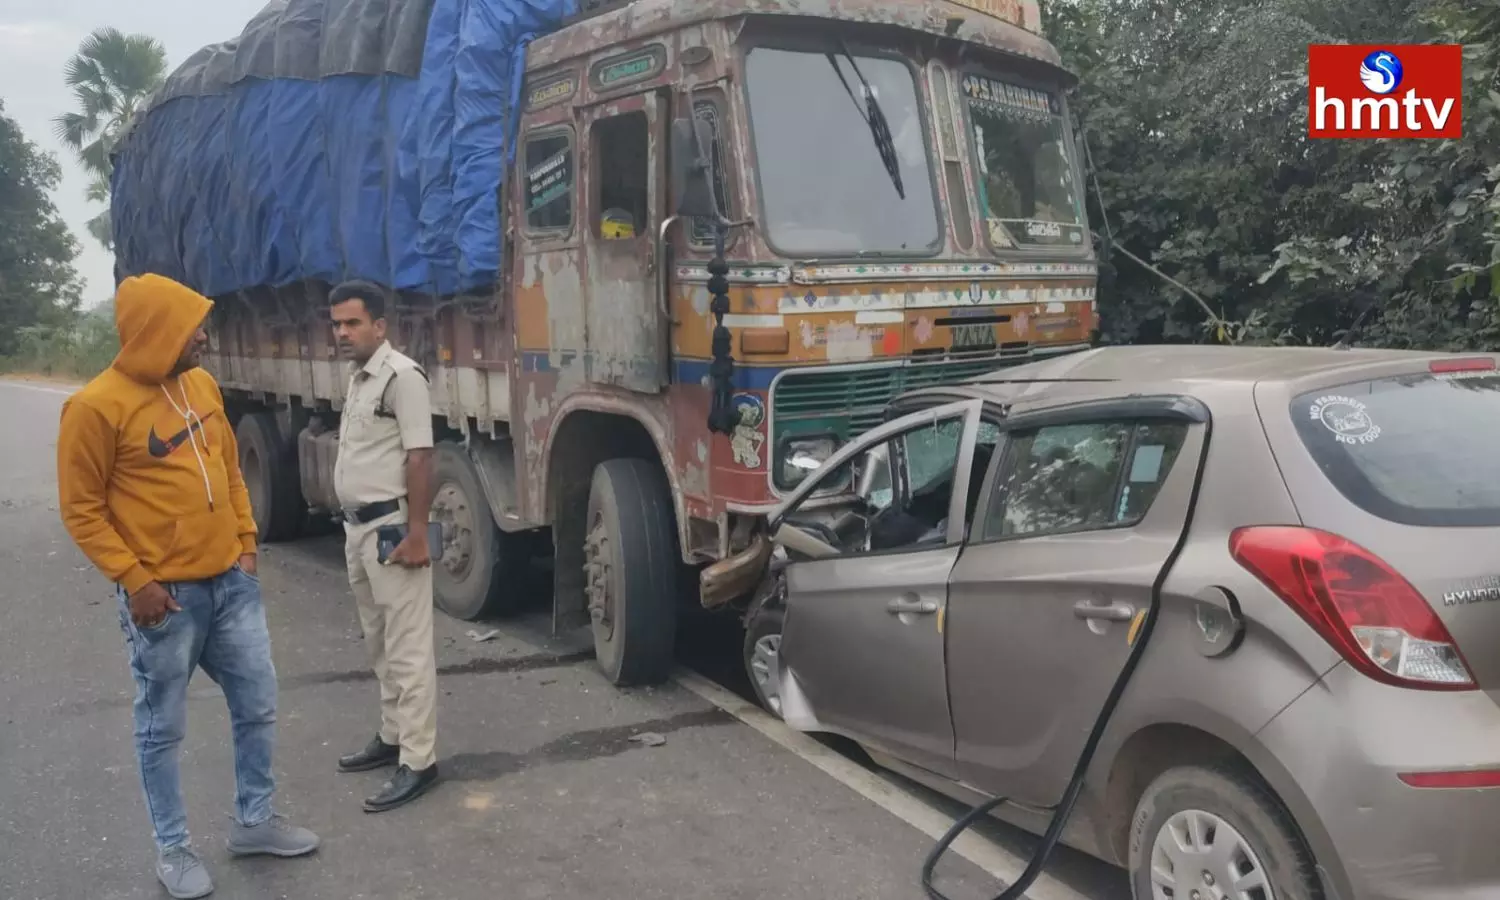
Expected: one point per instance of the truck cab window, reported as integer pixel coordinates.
(549, 182)
(1026, 166)
(622, 164)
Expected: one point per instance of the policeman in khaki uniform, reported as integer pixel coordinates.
(383, 477)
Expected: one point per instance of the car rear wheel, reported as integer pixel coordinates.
(1217, 834)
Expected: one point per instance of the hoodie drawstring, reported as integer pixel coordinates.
(188, 418)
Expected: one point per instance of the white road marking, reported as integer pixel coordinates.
(995, 860)
(32, 386)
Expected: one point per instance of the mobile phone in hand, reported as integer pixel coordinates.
(387, 538)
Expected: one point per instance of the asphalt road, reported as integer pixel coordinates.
(548, 793)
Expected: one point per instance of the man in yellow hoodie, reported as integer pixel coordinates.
(150, 489)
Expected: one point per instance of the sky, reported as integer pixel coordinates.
(36, 39)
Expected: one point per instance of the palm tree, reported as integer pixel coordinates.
(112, 76)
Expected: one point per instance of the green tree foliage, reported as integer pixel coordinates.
(112, 75)
(1426, 254)
(39, 287)
(1195, 114)
(81, 347)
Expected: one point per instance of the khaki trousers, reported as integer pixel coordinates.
(395, 611)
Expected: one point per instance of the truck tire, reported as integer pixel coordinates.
(630, 558)
(270, 471)
(481, 568)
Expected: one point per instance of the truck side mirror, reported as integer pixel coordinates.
(692, 181)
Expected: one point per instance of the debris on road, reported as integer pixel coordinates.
(478, 638)
(649, 739)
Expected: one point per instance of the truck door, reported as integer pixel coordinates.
(625, 198)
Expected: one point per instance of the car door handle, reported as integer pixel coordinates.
(1113, 612)
(911, 604)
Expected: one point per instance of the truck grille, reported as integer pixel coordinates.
(848, 402)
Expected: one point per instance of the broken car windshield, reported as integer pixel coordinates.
(825, 188)
(1026, 185)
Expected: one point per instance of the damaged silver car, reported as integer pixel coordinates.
(1315, 713)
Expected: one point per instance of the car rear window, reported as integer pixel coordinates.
(1416, 449)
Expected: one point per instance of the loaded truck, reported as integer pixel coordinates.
(658, 258)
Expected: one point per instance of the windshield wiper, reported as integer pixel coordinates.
(871, 112)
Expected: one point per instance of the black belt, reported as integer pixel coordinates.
(371, 511)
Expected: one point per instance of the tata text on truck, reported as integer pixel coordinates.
(899, 196)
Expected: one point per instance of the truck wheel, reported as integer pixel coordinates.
(481, 567)
(631, 571)
(1217, 832)
(270, 473)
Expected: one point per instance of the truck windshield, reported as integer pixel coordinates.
(825, 189)
(1026, 186)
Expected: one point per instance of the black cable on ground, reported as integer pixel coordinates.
(1064, 809)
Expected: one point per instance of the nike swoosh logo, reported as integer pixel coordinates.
(161, 448)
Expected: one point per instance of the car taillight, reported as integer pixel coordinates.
(1477, 364)
(1468, 779)
(1361, 606)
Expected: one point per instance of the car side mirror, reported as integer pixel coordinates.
(875, 486)
(692, 181)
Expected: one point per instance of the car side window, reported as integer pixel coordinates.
(1080, 477)
(1156, 447)
(903, 488)
(931, 453)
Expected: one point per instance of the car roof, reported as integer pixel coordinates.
(1172, 368)
(1193, 362)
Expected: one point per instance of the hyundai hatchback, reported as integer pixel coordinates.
(1315, 712)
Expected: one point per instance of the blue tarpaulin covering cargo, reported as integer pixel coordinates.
(332, 139)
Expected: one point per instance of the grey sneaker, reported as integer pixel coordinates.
(181, 872)
(273, 837)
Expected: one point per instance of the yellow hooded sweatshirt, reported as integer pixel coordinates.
(148, 471)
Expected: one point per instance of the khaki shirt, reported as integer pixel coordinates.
(374, 437)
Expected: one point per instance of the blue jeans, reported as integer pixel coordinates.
(222, 629)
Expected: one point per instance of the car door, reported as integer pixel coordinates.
(867, 586)
(1080, 514)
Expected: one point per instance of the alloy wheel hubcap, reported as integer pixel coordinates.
(765, 668)
(1199, 856)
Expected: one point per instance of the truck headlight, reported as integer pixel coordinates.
(800, 457)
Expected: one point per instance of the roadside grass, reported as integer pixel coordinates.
(76, 354)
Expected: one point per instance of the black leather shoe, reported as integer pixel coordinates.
(377, 753)
(404, 787)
